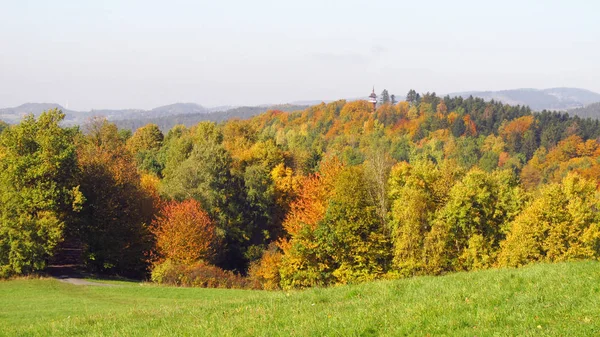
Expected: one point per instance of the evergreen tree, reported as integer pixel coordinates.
(385, 97)
(412, 97)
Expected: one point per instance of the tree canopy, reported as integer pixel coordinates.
(332, 194)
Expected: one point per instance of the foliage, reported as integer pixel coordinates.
(145, 145)
(417, 192)
(39, 194)
(343, 242)
(184, 232)
(113, 224)
(336, 193)
(466, 234)
(265, 272)
(199, 274)
(561, 224)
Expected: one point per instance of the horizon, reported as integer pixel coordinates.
(400, 97)
(116, 55)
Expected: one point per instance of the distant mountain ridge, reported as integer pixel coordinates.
(580, 102)
(588, 111)
(165, 116)
(14, 115)
(165, 123)
(539, 99)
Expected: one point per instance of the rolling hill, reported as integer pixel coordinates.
(545, 299)
(165, 116)
(545, 99)
(588, 111)
(166, 122)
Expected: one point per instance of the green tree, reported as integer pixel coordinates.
(417, 191)
(489, 161)
(145, 145)
(357, 242)
(38, 191)
(467, 232)
(413, 97)
(458, 127)
(148, 137)
(114, 223)
(347, 244)
(385, 97)
(204, 173)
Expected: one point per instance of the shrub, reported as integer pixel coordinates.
(199, 274)
(265, 272)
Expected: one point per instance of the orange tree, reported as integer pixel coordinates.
(184, 232)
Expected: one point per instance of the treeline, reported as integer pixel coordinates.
(166, 123)
(328, 195)
(588, 111)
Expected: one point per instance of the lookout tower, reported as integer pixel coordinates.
(373, 99)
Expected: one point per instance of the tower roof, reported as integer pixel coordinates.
(373, 94)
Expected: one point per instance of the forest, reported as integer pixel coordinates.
(337, 193)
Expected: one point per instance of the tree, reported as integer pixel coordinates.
(303, 256)
(353, 234)
(441, 108)
(417, 191)
(562, 224)
(489, 161)
(113, 224)
(412, 97)
(145, 144)
(3, 126)
(148, 137)
(184, 233)
(377, 168)
(467, 232)
(38, 191)
(385, 97)
(458, 127)
(204, 173)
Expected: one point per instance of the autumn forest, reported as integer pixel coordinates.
(335, 194)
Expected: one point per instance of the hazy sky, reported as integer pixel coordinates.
(142, 54)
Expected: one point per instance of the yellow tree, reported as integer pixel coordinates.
(562, 223)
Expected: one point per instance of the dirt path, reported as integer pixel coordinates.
(82, 282)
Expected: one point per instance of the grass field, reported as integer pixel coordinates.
(548, 299)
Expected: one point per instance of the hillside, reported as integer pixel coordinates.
(538, 100)
(15, 114)
(545, 299)
(464, 176)
(165, 116)
(167, 122)
(589, 111)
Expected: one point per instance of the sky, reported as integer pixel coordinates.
(141, 54)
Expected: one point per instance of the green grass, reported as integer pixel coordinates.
(547, 299)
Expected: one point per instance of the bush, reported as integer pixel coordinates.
(265, 272)
(199, 274)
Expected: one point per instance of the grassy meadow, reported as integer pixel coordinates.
(546, 299)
